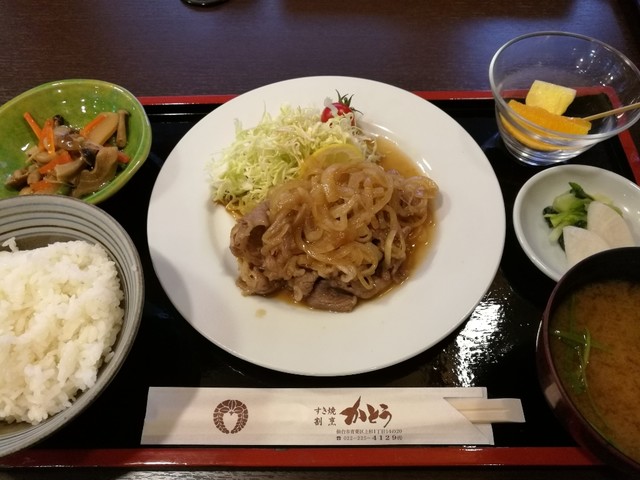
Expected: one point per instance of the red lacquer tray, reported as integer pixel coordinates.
(494, 348)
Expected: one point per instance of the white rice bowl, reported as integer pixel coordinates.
(32, 222)
(60, 314)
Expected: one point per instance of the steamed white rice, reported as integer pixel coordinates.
(60, 314)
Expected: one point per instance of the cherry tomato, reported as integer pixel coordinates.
(341, 107)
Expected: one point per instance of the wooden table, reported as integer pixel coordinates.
(166, 48)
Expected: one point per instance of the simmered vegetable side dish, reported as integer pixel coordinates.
(72, 161)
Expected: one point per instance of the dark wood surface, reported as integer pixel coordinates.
(164, 47)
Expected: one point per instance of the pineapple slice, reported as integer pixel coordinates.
(553, 98)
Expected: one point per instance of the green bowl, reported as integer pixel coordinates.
(78, 101)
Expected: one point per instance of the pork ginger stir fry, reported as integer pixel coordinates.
(334, 235)
(72, 161)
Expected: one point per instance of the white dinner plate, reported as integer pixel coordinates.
(189, 239)
(539, 191)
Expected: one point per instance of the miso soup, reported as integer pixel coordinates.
(595, 343)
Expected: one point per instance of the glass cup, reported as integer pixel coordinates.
(603, 78)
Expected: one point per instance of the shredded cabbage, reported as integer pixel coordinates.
(273, 151)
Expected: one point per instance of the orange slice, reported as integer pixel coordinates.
(551, 121)
(545, 119)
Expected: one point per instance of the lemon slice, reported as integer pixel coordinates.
(553, 98)
(541, 117)
(331, 154)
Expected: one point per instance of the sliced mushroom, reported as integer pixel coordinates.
(31, 152)
(67, 172)
(17, 179)
(42, 158)
(68, 139)
(121, 134)
(33, 176)
(103, 171)
(88, 153)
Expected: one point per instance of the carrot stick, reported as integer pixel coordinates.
(84, 131)
(46, 137)
(63, 157)
(42, 186)
(49, 141)
(123, 157)
(33, 124)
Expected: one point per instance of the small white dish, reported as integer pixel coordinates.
(539, 191)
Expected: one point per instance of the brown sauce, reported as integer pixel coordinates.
(394, 158)
(606, 392)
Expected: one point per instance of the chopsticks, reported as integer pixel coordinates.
(489, 410)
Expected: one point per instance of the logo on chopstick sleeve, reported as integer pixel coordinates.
(226, 412)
